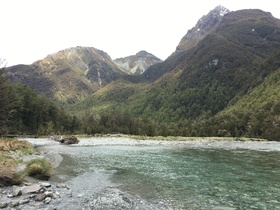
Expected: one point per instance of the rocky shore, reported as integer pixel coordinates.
(44, 195)
(35, 194)
(41, 195)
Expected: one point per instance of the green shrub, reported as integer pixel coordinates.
(39, 168)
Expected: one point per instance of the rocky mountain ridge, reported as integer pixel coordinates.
(204, 26)
(74, 73)
(138, 63)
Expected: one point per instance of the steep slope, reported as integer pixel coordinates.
(200, 82)
(222, 65)
(137, 64)
(203, 27)
(256, 114)
(68, 75)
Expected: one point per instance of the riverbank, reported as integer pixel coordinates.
(183, 138)
(204, 174)
(172, 138)
(93, 187)
(12, 153)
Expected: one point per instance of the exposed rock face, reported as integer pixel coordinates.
(68, 75)
(204, 26)
(137, 64)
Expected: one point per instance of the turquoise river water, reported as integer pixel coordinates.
(202, 175)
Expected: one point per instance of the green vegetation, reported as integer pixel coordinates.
(11, 153)
(257, 113)
(199, 92)
(183, 138)
(23, 111)
(39, 168)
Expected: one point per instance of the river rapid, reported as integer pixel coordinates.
(122, 173)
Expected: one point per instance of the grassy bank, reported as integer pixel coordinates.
(183, 138)
(171, 138)
(11, 153)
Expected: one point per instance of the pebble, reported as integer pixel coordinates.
(47, 200)
(10, 195)
(48, 194)
(3, 205)
(40, 197)
(69, 193)
(61, 185)
(45, 184)
(24, 201)
(31, 189)
(16, 191)
(14, 203)
(24, 197)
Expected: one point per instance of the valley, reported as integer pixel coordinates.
(204, 88)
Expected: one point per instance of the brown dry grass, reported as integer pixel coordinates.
(12, 145)
(8, 162)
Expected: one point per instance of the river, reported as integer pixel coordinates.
(168, 175)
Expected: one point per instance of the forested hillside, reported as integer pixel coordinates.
(187, 93)
(23, 111)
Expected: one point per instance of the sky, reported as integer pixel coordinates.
(32, 29)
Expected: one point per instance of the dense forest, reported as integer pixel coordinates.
(24, 112)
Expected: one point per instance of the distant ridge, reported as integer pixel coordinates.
(69, 75)
(138, 63)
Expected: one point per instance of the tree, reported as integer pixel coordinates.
(6, 102)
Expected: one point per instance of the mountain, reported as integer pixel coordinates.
(198, 83)
(68, 75)
(137, 64)
(224, 64)
(204, 26)
(222, 82)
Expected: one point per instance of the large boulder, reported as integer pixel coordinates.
(69, 140)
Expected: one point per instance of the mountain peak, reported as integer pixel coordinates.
(204, 26)
(138, 63)
(78, 55)
(221, 10)
(69, 75)
(142, 53)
